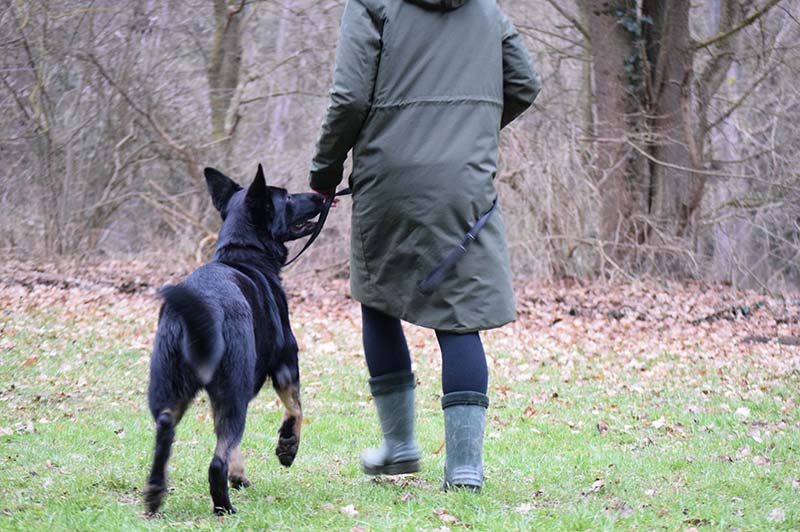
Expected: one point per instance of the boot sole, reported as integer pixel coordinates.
(396, 468)
(447, 486)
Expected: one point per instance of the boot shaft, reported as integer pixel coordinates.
(464, 426)
(393, 395)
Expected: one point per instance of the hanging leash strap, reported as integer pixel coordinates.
(323, 215)
(434, 279)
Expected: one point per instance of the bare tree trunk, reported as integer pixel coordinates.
(617, 170)
(676, 190)
(277, 133)
(643, 81)
(225, 62)
(737, 246)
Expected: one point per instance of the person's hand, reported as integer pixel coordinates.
(327, 194)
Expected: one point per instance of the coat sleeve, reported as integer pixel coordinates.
(357, 56)
(521, 82)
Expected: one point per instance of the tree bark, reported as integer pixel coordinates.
(676, 190)
(618, 170)
(225, 62)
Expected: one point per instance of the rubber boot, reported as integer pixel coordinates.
(393, 395)
(464, 424)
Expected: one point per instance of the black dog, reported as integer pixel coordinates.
(226, 328)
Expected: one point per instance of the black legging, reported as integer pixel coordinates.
(463, 359)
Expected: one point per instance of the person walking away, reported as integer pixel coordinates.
(421, 90)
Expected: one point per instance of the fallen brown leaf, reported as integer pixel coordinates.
(445, 517)
(439, 449)
(30, 361)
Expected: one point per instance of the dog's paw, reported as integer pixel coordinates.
(238, 483)
(219, 510)
(288, 442)
(287, 450)
(153, 497)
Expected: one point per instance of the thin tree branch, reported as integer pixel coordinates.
(232, 13)
(574, 21)
(183, 151)
(743, 24)
(739, 102)
(532, 31)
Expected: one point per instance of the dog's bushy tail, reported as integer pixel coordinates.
(203, 344)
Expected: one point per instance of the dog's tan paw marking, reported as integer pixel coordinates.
(238, 483)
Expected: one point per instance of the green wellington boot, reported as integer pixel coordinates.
(394, 399)
(464, 423)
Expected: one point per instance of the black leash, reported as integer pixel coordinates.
(323, 215)
(435, 278)
(429, 284)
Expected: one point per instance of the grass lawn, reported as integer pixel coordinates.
(580, 436)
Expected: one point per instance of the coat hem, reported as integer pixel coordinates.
(389, 311)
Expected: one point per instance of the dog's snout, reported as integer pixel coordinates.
(314, 201)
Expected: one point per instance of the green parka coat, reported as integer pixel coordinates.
(420, 92)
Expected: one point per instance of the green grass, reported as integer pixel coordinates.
(77, 438)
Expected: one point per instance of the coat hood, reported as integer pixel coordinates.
(439, 5)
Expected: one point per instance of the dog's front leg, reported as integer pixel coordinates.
(287, 386)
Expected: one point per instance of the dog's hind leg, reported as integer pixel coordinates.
(156, 487)
(236, 469)
(288, 388)
(229, 420)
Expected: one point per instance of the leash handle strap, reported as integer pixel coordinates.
(434, 279)
(323, 215)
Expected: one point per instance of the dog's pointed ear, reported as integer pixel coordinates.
(257, 193)
(221, 188)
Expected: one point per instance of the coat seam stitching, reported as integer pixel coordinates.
(437, 101)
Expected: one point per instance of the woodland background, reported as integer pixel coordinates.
(665, 142)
